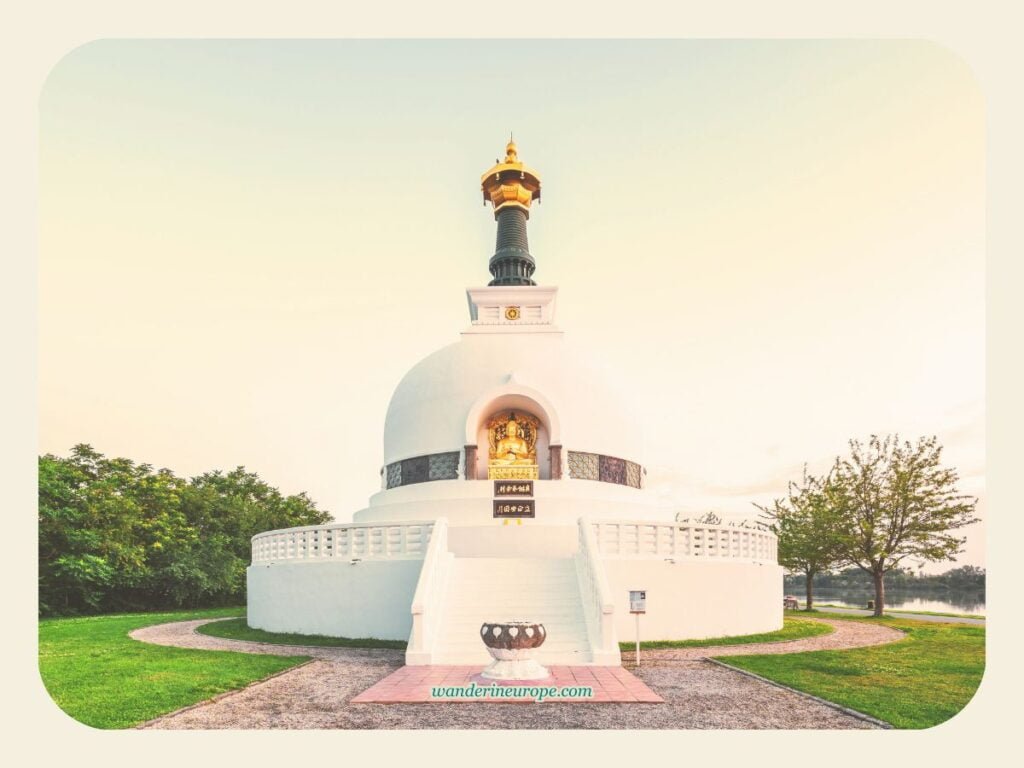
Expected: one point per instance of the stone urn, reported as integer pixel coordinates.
(513, 645)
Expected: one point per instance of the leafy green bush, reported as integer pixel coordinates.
(115, 535)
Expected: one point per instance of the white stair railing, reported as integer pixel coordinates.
(598, 606)
(428, 600)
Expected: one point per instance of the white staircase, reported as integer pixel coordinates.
(480, 589)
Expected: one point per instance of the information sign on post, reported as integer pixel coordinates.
(637, 605)
(638, 601)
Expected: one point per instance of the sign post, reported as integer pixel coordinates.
(637, 605)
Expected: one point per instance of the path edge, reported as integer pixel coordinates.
(267, 643)
(221, 696)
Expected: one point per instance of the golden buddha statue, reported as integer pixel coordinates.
(512, 449)
(513, 446)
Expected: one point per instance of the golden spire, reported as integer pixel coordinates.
(510, 183)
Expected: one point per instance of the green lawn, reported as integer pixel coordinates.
(793, 628)
(917, 682)
(237, 629)
(103, 678)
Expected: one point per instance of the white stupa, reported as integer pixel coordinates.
(512, 488)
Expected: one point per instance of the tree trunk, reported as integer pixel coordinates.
(879, 592)
(810, 591)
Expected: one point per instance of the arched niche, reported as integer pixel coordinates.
(513, 397)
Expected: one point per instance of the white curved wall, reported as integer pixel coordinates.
(693, 600)
(685, 600)
(367, 599)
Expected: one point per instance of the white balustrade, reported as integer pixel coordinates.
(428, 600)
(598, 606)
(691, 541)
(349, 541)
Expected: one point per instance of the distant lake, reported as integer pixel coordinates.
(942, 602)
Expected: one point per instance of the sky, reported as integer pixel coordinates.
(776, 245)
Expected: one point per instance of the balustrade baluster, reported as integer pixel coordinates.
(609, 539)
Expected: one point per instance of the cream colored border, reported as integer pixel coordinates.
(36, 35)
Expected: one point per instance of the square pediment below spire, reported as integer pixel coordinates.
(512, 309)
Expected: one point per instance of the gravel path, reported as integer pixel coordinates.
(698, 694)
(182, 634)
(846, 634)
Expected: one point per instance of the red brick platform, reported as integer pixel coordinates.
(415, 685)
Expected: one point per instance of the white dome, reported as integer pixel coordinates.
(440, 404)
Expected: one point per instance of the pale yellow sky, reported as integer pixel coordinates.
(776, 245)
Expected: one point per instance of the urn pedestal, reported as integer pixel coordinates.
(513, 645)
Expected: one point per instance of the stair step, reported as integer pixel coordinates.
(515, 613)
(549, 619)
(474, 637)
(543, 590)
(517, 588)
(573, 659)
(551, 623)
(553, 630)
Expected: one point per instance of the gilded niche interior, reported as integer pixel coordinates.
(512, 438)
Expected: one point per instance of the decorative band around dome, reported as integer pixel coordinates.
(605, 469)
(581, 466)
(422, 469)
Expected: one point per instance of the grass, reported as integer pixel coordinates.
(917, 682)
(237, 629)
(101, 677)
(916, 613)
(793, 629)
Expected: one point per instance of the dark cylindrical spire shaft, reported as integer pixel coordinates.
(512, 263)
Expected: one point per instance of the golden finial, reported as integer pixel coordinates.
(510, 183)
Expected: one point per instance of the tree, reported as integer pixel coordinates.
(806, 526)
(964, 577)
(116, 535)
(708, 518)
(895, 501)
(87, 545)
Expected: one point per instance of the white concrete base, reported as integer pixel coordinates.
(688, 599)
(515, 665)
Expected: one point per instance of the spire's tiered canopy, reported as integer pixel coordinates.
(511, 187)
